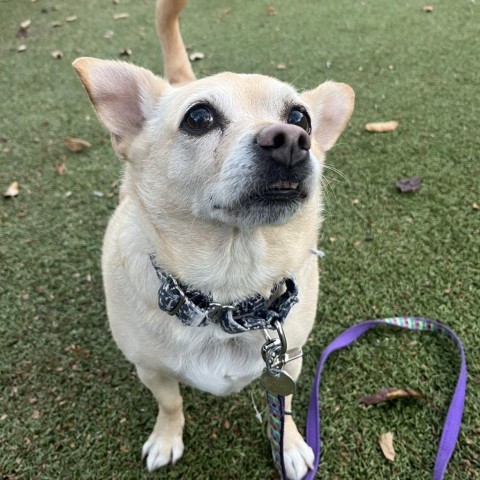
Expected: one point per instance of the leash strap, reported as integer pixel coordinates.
(453, 420)
(276, 410)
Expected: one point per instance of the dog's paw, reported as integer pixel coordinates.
(298, 456)
(161, 450)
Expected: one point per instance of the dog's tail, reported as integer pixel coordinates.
(176, 65)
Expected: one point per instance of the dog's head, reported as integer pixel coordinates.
(243, 150)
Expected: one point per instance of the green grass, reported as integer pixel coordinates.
(57, 359)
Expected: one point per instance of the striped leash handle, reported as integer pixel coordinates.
(451, 428)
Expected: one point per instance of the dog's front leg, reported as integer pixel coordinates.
(298, 456)
(165, 444)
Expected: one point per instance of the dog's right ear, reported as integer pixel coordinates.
(123, 95)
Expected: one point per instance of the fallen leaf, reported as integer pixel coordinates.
(409, 184)
(355, 201)
(3, 417)
(108, 34)
(271, 11)
(389, 394)
(21, 48)
(22, 33)
(76, 145)
(60, 168)
(71, 18)
(281, 66)
(428, 8)
(332, 239)
(227, 424)
(196, 56)
(36, 415)
(357, 243)
(98, 194)
(226, 11)
(126, 53)
(475, 206)
(12, 190)
(25, 24)
(121, 16)
(386, 444)
(381, 127)
(57, 54)
(56, 24)
(124, 449)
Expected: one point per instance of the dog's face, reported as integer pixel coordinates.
(244, 150)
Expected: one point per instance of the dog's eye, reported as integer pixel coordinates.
(199, 119)
(299, 117)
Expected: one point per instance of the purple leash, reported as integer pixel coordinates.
(453, 420)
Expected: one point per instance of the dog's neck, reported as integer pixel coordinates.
(230, 262)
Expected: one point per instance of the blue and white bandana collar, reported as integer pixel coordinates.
(196, 309)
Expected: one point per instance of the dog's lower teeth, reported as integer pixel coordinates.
(284, 185)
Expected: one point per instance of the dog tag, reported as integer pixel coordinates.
(278, 382)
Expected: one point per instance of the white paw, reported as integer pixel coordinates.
(298, 457)
(161, 450)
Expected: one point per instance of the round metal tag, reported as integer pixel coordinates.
(278, 382)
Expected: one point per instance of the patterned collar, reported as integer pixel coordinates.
(196, 309)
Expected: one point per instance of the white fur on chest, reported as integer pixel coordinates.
(219, 366)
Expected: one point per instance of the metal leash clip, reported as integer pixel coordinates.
(275, 354)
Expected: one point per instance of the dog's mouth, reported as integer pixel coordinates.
(280, 194)
(283, 191)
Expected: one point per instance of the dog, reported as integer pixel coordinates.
(221, 197)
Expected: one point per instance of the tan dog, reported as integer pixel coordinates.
(222, 189)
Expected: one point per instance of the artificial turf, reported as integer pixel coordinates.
(71, 406)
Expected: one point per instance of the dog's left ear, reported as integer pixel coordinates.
(123, 95)
(331, 106)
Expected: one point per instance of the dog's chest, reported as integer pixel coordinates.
(218, 366)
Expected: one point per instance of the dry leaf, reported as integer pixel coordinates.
(475, 206)
(389, 394)
(271, 11)
(227, 424)
(76, 145)
(226, 11)
(60, 168)
(57, 54)
(120, 16)
(428, 8)
(281, 66)
(12, 190)
(196, 56)
(25, 24)
(21, 48)
(355, 201)
(3, 417)
(357, 243)
(71, 18)
(126, 53)
(381, 127)
(108, 34)
(386, 444)
(409, 184)
(36, 415)
(56, 24)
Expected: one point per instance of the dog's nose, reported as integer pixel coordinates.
(286, 144)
